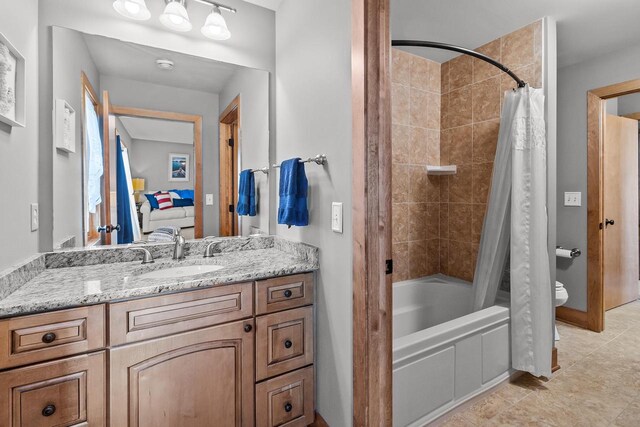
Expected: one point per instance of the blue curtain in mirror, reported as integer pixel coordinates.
(125, 234)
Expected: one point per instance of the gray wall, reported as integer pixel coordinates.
(132, 93)
(252, 45)
(313, 115)
(629, 104)
(19, 146)
(150, 160)
(70, 57)
(573, 83)
(253, 88)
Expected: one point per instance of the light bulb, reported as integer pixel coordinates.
(215, 27)
(175, 16)
(132, 8)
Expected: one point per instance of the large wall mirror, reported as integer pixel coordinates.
(151, 140)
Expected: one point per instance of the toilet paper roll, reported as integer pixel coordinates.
(563, 253)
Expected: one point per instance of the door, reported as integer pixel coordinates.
(229, 148)
(195, 379)
(620, 206)
(106, 227)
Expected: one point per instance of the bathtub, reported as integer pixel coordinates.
(443, 354)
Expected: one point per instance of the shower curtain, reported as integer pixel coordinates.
(515, 227)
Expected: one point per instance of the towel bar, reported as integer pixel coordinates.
(320, 159)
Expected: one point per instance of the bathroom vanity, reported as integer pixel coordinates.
(92, 338)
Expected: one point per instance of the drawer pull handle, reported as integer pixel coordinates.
(288, 407)
(288, 293)
(288, 344)
(49, 410)
(247, 328)
(48, 338)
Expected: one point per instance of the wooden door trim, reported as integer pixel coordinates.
(371, 198)
(229, 116)
(197, 149)
(634, 116)
(106, 161)
(596, 109)
(89, 237)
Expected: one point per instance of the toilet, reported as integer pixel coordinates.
(561, 297)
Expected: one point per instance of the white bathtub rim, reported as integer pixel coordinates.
(412, 347)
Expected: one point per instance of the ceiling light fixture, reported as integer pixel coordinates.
(215, 27)
(134, 9)
(175, 16)
(164, 64)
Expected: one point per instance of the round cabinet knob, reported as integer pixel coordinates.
(248, 328)
(48, 338)
(288, 344)
(288, 407)
(49, 410)
(288, 293)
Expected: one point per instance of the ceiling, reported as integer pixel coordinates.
(137, 62)
(158, 130)
(586, 28)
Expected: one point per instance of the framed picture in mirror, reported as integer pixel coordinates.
(179, 167)
(12, 81)
(64, 126)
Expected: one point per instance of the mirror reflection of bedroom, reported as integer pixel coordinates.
(149, 160)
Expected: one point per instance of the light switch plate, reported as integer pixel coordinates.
(336, 217)
(35, 220)
(572, 198)
(209, 199)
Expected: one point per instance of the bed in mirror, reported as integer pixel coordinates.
(156, 144)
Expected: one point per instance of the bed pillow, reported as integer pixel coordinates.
(164, 201)
(152, 201)
(178, 203)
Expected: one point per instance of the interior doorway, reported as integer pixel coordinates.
(229, 149)
(612, 206)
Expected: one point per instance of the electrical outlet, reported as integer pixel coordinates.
(35, 220)
(572, 198)
(209, 199)
(336, 217)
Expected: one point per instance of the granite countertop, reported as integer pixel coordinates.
(82, 277)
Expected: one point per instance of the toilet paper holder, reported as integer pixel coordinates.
(574, 253)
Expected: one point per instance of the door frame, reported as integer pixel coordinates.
(229, 124)
(118, 110)
(593, 319)
(371, 210)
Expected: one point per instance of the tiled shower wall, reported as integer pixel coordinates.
(437, 221)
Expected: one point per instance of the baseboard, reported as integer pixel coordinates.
(572, 316)
(554, 360)
(319, 421)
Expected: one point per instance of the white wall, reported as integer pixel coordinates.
(252, 44)
(150, 160)
(573, 83)
(19, 146)
(253, 88)
(313, 115)
(131, 93)
(70, 57)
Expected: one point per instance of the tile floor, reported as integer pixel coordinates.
(598, 383)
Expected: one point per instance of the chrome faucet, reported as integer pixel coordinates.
(178, 245)
(147, 258)
(208, 252)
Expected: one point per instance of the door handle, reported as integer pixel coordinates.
(108, 228)
(608, 222)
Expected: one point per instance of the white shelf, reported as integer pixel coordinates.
(441, 170)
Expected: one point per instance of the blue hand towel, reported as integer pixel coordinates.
(293, 194)
(247, 194)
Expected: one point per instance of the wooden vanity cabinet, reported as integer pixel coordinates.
(199, 378)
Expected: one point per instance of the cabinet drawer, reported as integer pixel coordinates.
(153, 317)
(31, 339)
(286, 400)
(283, 293)
(67, 392)
(284, 342)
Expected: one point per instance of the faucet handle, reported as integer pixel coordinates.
(147, 258)
(208, 252)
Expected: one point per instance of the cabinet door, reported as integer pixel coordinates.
(67, 392)
(200, 378)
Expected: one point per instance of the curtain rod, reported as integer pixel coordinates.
(454, 48)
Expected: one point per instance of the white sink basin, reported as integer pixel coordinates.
(182, 271)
